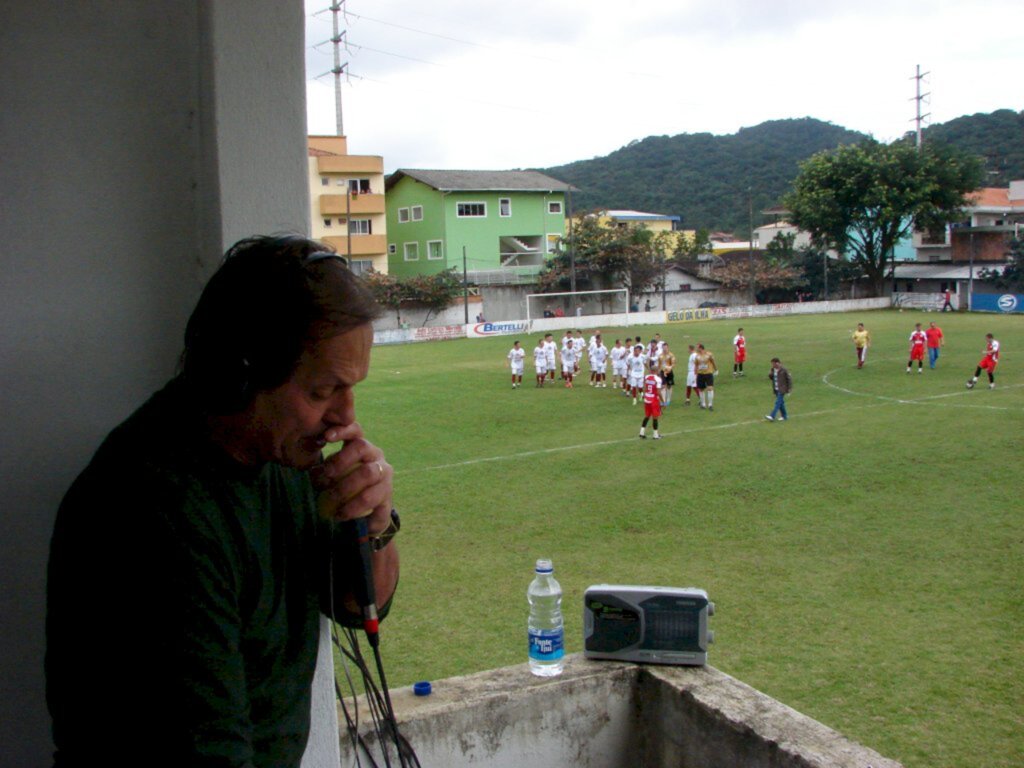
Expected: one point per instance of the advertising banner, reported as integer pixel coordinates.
(435, 332)
(1005, 303)
(486, 330)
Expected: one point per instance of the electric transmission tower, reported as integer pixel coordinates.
(919, 99)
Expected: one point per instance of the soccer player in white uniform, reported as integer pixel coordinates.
(628, 346)
(515, 362)
(550, 349)
(568, 360)
(540, 361)
(599, 362)
(578, 347)
(691, 373)
(635, 364)
(618, 355)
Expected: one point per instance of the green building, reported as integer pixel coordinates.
(508, 222)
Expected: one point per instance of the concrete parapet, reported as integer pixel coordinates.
(610, 715)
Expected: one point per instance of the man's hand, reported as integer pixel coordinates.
(355, 482)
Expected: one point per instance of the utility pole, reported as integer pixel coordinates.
(465, 285)
(919, 98)
(337, 39)
(572, 247)
(750, 245)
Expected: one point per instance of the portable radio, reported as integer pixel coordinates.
(655, 625)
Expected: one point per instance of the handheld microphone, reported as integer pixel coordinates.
(363, 588)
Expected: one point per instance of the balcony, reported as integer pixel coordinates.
(362, 245)
(611, 714)
(335, 205)
(364, 164)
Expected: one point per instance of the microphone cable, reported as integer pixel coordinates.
(378, 697)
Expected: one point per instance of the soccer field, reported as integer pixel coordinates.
(866, 557)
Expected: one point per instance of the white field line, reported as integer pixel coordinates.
(883, 401)
(926, 400)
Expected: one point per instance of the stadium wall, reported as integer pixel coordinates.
(558, 324)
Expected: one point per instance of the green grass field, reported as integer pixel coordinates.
(866, 557)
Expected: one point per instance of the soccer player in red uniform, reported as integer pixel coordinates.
(988, 363)
(918, 339)
(740, 343)
(652, 403)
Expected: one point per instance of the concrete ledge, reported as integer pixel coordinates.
(698, 716)
(611, 715)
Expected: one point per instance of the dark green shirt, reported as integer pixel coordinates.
(184, 593)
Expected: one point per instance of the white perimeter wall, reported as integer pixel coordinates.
(138, 139)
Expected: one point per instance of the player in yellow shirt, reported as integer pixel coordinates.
(861, 341)
(666, 363)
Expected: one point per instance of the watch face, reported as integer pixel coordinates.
(378, 543)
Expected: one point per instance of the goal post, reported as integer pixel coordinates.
(613, 301)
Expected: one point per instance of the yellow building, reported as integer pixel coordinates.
(655, 222)
(346, 193)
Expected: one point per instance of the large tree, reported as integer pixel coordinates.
(861, 200)
(609, 257)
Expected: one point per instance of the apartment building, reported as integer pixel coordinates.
(346, 193)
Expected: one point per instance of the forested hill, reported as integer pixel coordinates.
(997, 136)
(705, 178)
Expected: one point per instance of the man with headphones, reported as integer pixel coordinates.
(191, 560)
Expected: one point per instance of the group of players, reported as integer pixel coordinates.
(647, 371)
(931, 341)
(639, 370)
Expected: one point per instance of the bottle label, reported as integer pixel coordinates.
(546, 644)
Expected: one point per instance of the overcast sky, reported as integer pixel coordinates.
(535, 83)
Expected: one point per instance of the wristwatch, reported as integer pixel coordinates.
(382, 539)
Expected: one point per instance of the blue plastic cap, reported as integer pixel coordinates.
(422, 688)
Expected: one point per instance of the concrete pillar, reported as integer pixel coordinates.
(139, 140)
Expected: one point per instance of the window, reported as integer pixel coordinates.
(555, 206)
(411, 251)
(392, 249)
(552, 243)
(359, 186)
(435, 249)
(360, 227)
(505, 207)
(324, 181)
(467, 210)
(403, 215)
(417, 212)
(360, 266)
(327, 222)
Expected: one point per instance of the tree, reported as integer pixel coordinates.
(735, 275)
(632, 257)
(435, 292)
(811, 263)
(861, 200)
(1011, 277)
(690, 248)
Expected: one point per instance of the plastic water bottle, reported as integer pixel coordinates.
(546, 633)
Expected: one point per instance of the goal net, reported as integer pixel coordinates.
(577, 303)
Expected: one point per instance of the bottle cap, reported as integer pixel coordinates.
(422, 688)
(544, 566)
